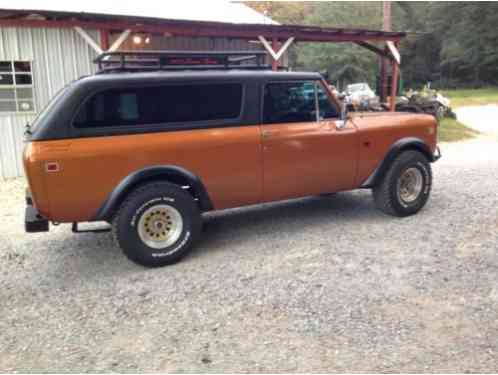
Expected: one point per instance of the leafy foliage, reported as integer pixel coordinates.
(343, 62)
(452, 44)
(284, 12)
(469, 42)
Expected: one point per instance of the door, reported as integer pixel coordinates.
(303, 151)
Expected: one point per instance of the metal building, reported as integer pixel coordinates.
(34, 65)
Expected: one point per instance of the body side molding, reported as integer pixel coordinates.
(164, 172)
(397, 147)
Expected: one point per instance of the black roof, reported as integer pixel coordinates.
(197, 75)
(54, 125)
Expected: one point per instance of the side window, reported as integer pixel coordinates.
(161, 104)
(286, 102)
(109, 108)
(16, 87)
(326, 107)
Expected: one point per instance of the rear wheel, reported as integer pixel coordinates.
(157, 224)
(406, 186)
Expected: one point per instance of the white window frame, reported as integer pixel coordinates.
(14, 86)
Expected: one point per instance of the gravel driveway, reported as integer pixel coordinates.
(316, 284)
(482, 118)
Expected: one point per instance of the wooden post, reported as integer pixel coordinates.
(104, 40)
(383, 78)
(276, 47)
(394, 83)
(386, 16)
(92, 43)
(386, 26)
(275, 50)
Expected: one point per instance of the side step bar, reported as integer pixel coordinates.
(75, 229)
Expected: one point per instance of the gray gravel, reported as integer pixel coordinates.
(316, 284)
(481, 118)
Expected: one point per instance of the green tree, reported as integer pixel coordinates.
(344, 62)
(469, 48)
(452, 44)
(284, 12)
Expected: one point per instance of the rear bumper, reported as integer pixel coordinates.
(33, 221)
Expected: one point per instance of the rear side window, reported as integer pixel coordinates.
(161, 104)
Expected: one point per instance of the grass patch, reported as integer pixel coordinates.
(468, 97)
(450, 130)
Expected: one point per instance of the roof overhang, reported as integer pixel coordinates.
(212, 11)
(55, 19)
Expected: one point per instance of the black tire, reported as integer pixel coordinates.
(157, 200)
(387, 194)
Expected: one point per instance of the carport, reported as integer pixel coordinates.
(276, 39)
(45, 46)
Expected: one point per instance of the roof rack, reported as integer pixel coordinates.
(126, 61)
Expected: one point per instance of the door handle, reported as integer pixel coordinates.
(328, 125)
(268, 133)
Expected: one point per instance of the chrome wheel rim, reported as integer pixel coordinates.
(160, 226)
(410, 185)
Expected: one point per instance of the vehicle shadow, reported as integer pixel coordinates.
(86, 254)
(283, 218)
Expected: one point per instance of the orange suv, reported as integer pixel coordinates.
(155, 139)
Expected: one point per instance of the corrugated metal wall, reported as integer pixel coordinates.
(58, 57)
(190, 44)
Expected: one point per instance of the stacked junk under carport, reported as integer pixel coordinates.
(360, 97)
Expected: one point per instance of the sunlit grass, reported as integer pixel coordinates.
(451, 130)
(469, 97)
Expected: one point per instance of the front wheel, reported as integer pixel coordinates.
(406, 186)
(157, 224)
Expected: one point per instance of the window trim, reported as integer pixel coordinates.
(322, 83)
(315, 83)
(156, 127)
(14, 86)
(317, 103)
(263, 88)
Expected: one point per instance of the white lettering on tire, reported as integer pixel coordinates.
(426, 177)
(175, 249)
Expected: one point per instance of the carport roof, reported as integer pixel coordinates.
(231, 27)
(211, 11)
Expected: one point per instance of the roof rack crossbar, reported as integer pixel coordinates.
(178, 60)
(185, 67)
